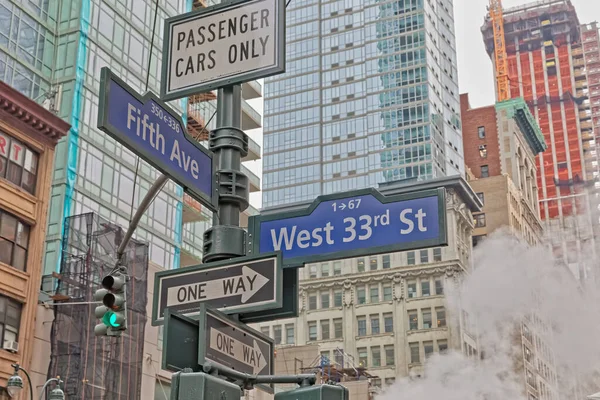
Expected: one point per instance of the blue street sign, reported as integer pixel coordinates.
(153, 131)
(353, 224)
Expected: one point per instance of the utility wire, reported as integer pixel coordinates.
(137, 161)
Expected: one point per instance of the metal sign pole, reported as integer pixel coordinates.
(229, 144)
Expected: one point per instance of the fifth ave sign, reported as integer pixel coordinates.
(221, 45)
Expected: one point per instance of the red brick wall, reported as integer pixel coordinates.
(472, 119)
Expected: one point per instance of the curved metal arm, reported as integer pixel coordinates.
(28, 380)
(46, 385)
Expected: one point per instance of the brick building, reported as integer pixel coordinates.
(500, 145)
(28, 136)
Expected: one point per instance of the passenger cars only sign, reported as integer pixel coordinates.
(222, 45)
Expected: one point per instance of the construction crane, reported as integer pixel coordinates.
(502, 82)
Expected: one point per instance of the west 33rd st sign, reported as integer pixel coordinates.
(353, 224)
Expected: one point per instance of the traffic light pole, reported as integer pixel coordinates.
(248, 381)
(226, 239)
(144, 204)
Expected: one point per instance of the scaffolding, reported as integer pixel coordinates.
(97, 368)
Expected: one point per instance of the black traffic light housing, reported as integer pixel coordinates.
(113, 311)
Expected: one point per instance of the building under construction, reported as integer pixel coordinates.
(97, 368)
(546, 66)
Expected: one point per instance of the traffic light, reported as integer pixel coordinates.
(112, 312)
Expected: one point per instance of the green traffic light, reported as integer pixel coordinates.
(112, 319)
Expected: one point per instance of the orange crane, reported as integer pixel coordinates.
(502, 82)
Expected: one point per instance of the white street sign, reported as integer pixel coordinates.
(221, 45)
(246, 285)
(251, 356)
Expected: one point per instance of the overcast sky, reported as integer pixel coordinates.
(474, 66)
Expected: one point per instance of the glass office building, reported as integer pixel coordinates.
(55, 49)
(370, 95)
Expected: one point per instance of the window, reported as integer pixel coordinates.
(528, 354)
(324, 270)
(361, 295)
(410, 258)
(325, 357)
(339, 357)
(388, 322)
(277, 334)
(481, 132)
(325, 329)
(386, 262)
(325, 300)
(289, 334)
(424, 256)
(389, 355)
(374, 291)
(425, 289)
(360, 264)
(376, 382)
(373, 263)
(426, 313)
(439, 286)
(485, 172)
(390, 381)
(375, 324)
(10, 320)
(265, 331)
(412, 289)
(376, 356)
(442, 345)
(337, 298)
(18, 164)
(440, 313)
(413, 320)
(483, 151)
(480, 220)
(362, 326)
(481, 197)
(437, 254)
(14, 241)
(362, 357)
(313, 271)
(428, 347)
(414, 353)
(387, 292)
(312, 331)
(312, 301)
(337, 268)
(338, 328)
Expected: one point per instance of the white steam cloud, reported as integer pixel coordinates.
(509, 281)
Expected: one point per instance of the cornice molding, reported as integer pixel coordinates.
(39, 120)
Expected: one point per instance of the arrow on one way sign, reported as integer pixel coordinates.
(246, 284)
(251, 356)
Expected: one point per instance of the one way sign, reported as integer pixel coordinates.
(250, 284)
(233, 344)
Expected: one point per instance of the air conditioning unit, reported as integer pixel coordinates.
(11, 345)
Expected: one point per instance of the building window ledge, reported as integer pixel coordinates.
(441, 329)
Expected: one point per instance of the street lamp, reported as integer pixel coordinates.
(15, 382)
(15, 385)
